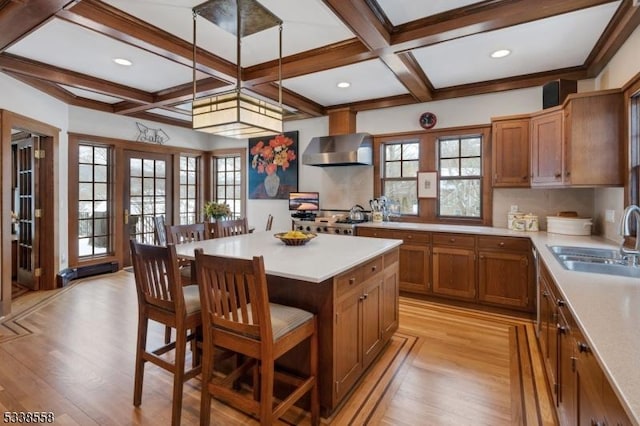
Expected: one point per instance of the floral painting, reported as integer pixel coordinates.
(273, 171)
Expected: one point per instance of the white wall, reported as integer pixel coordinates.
(98, 123)
(22, 99)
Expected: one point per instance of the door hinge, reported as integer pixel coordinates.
(37, 272)
(37, 212)
(38, 154)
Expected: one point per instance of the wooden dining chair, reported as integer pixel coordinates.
(178, 234)
(162, 298)
(238, 317)
(269, 222)
(159, 230)
(227, 228)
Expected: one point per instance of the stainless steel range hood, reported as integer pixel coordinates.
(339, 150)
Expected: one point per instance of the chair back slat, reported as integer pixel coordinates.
(157, 276)
(227, 228)
(234, 295)
(159, 230)
(178, 234)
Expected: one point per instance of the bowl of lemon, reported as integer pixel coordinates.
(295, 238)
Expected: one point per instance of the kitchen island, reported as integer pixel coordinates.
(351, 284)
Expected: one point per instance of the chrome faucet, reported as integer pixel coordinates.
(625, 231)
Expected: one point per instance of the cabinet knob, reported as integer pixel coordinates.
(558, 175)
(583, 347)
(452, 240)
(567, 173)
(561, 329)
(545, 294)
(525, 177)
(409, 237)
(352, 280)
(560, 303)
(374, 268)
(501, 244)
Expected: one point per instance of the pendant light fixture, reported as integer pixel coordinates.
(237, 113)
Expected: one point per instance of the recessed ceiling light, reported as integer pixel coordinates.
(123, 62)
(343, 84)
(501, 53)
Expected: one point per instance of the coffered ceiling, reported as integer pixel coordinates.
(392, 52)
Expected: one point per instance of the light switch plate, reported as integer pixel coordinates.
(610, 216)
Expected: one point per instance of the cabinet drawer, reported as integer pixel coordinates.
(349, 281)
(371, 268)
(413, 236)
(458, 240)
(504, 243)
(375, 232)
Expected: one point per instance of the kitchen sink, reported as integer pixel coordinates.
(594, 259)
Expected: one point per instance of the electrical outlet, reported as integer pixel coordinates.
(610, 216)
(514, 208)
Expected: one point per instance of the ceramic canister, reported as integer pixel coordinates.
(531, 222)
(516, 221)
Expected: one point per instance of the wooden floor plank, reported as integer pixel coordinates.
(71, 352)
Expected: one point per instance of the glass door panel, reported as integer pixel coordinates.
(147, 194)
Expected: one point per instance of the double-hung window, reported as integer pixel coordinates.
(399, 176)
(229, 166)
(460, 167)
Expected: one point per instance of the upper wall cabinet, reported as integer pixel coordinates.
(593, 127)
(547, 149)
(577, 144)
(510, 153)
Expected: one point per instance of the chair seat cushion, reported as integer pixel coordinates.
(286, 318)
(191, 298)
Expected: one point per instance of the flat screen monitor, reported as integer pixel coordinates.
(304, 201)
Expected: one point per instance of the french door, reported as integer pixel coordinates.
(147, 193)
(28, 273)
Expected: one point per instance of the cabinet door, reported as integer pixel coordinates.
(371, 321)
(414, 271)
(504, 278)
(454, 272)
(548, 335)
(510, 153)
(547, 149)
(566, 373)
(589, 379)
(348, 343)
(389, 309)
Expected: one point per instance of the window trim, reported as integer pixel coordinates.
(427, 207)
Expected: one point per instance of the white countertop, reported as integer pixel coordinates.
(606, 307)
(320, 259)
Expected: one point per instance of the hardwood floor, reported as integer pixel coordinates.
(71, 351)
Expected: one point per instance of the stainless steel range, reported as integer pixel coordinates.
(326, 225)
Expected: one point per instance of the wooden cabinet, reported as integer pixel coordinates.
(547, 328)
(454, 266)
(505, 272)
(446, 265)
(579, 144)
(415, 257)
(366, 315)
(547, 148)
(593, 136)
(582, 394)
(510, 152)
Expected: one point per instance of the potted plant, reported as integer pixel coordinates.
(213, 210)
